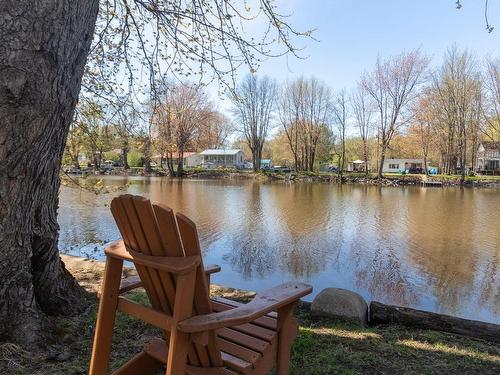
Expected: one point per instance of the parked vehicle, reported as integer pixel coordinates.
(73, 170)
(108, 165)
(281, 169)
(416, 170)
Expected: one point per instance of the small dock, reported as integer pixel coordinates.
(432, 183)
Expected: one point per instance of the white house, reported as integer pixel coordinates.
(222, 158)
(358, 166)
(403, 165)
(193, 160)
(488, 158)
(190, 159)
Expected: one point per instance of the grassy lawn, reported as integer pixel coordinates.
(336, 347)
(323, 346)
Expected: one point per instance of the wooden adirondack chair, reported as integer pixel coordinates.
(201, 336)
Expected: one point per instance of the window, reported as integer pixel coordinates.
(493, 153)
(492, 165)
(393, 166)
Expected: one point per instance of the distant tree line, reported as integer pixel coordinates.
(402, 108)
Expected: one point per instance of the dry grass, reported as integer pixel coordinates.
(322, 347)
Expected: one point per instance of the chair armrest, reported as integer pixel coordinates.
(270, 300)
(176, 265)
(213, 268)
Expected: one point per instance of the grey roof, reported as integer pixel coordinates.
(391, 160)
(489, 145)
(219, 152)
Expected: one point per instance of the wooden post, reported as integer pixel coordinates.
(101, 348)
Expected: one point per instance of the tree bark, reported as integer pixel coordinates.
(125, 157)
(365, 155)
(43, 51)
(180, 163)
(381, 161)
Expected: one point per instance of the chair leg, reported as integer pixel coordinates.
(177, 353)
(287, 330)
(101, 348)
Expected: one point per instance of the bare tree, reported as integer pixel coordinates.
(184, 110)
(457, 84)
(91, 120)
(126, 127)
(491, 107)
(393, 85)
(360, 102)
(340, 111)
(424, 117)
(254, 102)
(74, 144)
(475, 122)
(305, 109)
(214, 132)
(43, 56)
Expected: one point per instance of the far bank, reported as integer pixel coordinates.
(389, 179)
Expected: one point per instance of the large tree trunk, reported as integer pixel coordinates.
(365, 155)
(125, 157)
(381, 162)
(180, 163)
(147, 156)
(43, 50)
(170, 164)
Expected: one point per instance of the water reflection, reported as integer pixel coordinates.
(437, 249)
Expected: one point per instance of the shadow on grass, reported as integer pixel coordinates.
(335, 347)
(322, 347)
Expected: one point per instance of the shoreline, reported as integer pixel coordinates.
(348, 178)
(379, 313)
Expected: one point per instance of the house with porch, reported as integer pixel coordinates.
(216, 158)
(488, 158)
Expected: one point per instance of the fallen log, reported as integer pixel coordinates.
(381, 313)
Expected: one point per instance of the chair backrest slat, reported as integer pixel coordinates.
(191, 245)
(168, 230)
(160, 281)
(154, 229)
(171, 243)
(122, 220)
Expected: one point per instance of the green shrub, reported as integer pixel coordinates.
(135, 159)
(111, 155)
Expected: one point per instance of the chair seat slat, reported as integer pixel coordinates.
(238, 351)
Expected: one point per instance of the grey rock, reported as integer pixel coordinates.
(340, 303)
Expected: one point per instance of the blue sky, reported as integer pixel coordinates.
(352, 33)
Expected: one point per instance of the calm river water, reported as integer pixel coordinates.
(430, 248)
